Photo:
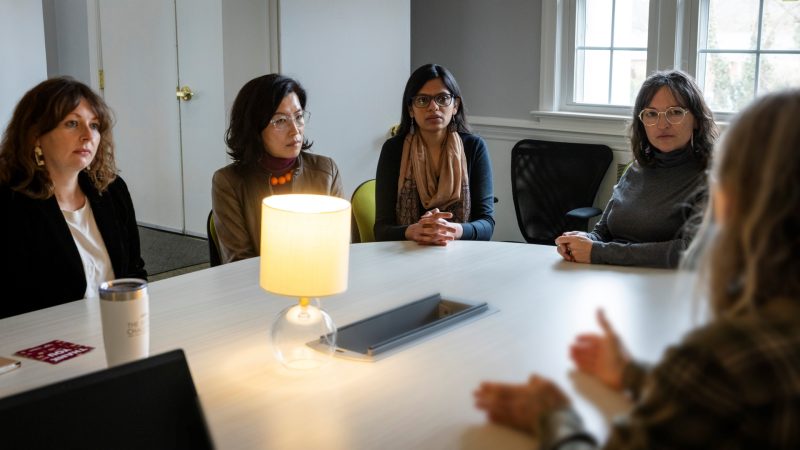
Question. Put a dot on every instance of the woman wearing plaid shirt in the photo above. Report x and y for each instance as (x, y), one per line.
(734, 383)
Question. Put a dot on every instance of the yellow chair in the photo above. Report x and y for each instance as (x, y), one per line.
(363, 206)
(213, 242)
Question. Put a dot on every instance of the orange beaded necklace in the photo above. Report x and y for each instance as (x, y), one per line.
(283, 179)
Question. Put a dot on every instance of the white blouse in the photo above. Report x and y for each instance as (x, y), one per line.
(96, 263)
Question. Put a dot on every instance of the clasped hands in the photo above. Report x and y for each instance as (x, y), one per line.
(575, 246)
(523, 406)
(434, 229)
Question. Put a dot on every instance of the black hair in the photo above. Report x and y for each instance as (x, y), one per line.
(415, 82)
(251, 112)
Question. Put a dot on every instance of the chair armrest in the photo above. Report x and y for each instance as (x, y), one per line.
(584, 213)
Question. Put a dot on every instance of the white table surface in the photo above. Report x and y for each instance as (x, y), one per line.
(418, 397)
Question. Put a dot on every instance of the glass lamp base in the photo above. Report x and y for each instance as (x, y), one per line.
(295, 327)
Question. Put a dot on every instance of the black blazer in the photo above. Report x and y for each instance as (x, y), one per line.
(40, 265)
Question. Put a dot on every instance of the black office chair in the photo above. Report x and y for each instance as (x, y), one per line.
(554, 185)
(213, 241)
(150, 403)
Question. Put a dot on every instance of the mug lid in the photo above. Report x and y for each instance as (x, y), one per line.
(123, 289)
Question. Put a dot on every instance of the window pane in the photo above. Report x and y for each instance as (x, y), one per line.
(732, 24)
(728, 80)
(781, 25)
(627, 76)
(777, 72)
(630, 23)
(598, 23)
(591, 82)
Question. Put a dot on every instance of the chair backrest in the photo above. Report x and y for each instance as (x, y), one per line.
(213, 242)
(149, 403)
(549, 179)
(363, 207)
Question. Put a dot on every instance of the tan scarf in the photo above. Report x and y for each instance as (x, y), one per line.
(447, 190)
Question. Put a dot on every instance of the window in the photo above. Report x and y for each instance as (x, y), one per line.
(602, 50)
(610, 51)
(746, 48)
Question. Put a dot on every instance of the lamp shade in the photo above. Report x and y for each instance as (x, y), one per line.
(305, 245)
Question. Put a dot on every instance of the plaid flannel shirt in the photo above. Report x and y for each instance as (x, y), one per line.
(734, 384)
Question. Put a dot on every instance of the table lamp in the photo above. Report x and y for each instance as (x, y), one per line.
(305, 251)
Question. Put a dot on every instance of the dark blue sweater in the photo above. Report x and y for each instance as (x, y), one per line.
(479, 170)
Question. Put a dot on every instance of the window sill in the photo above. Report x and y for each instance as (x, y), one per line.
(577, 123)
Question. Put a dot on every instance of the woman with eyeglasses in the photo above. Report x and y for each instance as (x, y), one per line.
(734, 382)
(434, 178)
(270, 156)
(672, 133)
(68, 220)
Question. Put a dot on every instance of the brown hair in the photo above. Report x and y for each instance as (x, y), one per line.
(753, 259)
(39, 111)
(685, 90)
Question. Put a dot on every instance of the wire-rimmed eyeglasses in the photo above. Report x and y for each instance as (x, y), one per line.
(673, 115)
(281, 121)
(422, 101)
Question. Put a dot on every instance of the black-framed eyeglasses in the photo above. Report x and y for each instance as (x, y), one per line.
(422, 101)
(281, 121)
(673, 115)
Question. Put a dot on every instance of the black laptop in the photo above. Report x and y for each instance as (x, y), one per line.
(147, 404)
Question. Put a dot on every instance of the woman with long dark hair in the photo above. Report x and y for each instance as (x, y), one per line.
(266, 140)
(434, 178)
(672, 133)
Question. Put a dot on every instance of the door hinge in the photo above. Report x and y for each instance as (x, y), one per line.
(101, 78)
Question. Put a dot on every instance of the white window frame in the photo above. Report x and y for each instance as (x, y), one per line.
(671, 44)
(699, 69)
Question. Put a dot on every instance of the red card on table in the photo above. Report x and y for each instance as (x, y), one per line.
(54, 352)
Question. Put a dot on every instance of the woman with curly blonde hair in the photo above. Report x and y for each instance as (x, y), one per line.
(69, 220)
(734, 382)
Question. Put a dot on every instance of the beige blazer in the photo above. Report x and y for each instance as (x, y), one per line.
(237, 191)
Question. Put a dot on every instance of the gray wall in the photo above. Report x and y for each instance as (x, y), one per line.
(492, 48)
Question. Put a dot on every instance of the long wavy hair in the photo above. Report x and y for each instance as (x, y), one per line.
(40, 111)
(253, 108)
(752, 259)
(685, 91)
(415, 82)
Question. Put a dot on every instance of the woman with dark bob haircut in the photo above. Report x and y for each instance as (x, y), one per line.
(270, 156)
(434, 178)
(732, 383)
(672, 133)
(69, 220)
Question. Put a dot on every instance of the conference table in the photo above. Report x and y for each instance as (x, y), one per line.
(419, 396)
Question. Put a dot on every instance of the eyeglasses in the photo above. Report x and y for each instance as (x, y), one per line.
(674, 115)
(422, 101)
(281, 121)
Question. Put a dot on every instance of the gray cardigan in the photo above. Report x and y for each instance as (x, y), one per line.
(644, 220)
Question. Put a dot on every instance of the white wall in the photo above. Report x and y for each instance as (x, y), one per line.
(245, 55)
(22, 52)
(67, 39)
(353, 59)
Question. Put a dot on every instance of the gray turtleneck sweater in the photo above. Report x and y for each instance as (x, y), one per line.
(643, 222)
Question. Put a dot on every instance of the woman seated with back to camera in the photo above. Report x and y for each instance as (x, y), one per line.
(270, 156)
(734, 382)
(434, 178)
(672, 134)
(68, 220)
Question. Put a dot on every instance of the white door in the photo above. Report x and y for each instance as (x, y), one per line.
(200, 66)
(139, 60)
(167, 149)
